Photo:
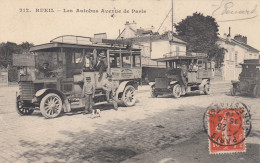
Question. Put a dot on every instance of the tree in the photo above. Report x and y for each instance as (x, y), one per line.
(25, 46)
(6, 51)
(9, 48)
(201, 34)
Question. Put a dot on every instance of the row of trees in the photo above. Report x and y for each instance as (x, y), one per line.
(6, 51)
(201, 34)
(9, 48)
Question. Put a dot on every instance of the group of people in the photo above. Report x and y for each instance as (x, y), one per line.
(89, 94)
(192, 67)
(98, 62)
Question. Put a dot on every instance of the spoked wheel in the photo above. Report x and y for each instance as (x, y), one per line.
(176, 91)
(129, 96)
(51, 105)
(21, 109)
(256, 91)
(152, 92)
(206, 89)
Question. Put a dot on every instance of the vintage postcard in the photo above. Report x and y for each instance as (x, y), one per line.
(129, 81)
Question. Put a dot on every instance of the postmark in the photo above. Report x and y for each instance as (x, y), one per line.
(227, 125)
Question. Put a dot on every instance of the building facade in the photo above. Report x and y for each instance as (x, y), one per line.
(237, 51)
(153, 45)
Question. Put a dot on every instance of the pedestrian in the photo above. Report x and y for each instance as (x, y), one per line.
(89, 94)
(110, 89)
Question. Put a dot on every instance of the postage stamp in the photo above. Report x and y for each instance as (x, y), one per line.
(227, 125)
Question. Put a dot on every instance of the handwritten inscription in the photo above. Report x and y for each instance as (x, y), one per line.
(230, 10)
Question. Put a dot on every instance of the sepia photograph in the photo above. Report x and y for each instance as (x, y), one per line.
(151, 81)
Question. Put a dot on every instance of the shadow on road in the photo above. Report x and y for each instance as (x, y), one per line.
(118, 140)
(177, 132)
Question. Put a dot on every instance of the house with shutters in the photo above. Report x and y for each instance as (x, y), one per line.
(153, 45)
(237, 51)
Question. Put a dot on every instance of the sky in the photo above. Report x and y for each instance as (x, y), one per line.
(17, 25)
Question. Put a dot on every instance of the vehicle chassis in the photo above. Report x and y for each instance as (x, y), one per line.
(249, 79)
(176, 83)
(63, 92)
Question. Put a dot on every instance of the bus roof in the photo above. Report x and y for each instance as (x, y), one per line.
(251, 62)
(172, 58)
(71, 41)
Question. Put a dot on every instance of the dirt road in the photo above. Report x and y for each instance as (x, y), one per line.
(155, 129)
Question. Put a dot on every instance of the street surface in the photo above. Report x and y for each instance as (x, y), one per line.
(160, 129)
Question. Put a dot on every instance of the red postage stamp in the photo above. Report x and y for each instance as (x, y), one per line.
(227, 126)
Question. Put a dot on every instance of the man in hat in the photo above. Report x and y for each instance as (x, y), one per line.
(89, 94)
(45, 70)
(101, 64)
(110, 89)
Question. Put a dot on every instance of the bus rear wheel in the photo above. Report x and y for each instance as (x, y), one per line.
(152, 92)
(206, 89)
(129, 96)
(176, 90)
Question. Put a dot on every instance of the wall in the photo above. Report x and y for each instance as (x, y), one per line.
(231, 66)
(3, 77)
(147, 55)
(182, 49)
(164, 48)
(160, 48)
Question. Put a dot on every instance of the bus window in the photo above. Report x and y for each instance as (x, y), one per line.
(77, 58)
(209, 65)
(200, 64)
(114, 61)
(136, 61)
(126, 61)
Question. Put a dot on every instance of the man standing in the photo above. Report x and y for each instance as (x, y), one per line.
(89, 94)
(110, 89)
(101, 64)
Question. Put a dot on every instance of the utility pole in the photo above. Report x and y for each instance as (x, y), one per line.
(172, 16)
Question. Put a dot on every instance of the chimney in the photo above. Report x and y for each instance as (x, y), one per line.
(152, 28)
(229, 32)
(241, 38)
(127, 25)
(244, 39)
(133, 25)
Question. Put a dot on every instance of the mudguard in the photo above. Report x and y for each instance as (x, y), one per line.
(173, 82)
(122, 86)
(204, 81)
(40, 92)
(66, 105)
(234, 81)
(152, 84)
